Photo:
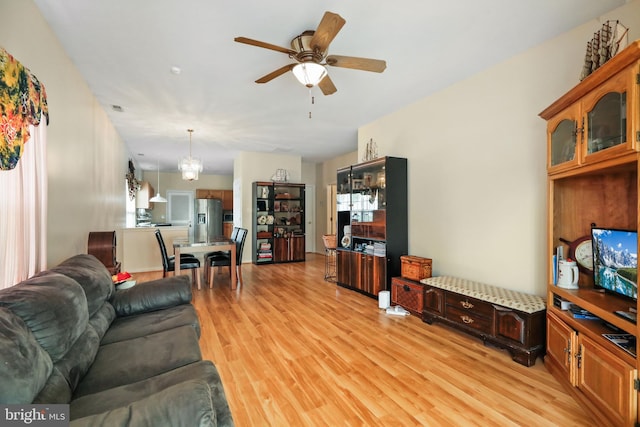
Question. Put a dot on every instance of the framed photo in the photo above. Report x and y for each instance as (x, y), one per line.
(276, 206)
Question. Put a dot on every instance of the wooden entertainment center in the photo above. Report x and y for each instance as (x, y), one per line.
(593, 139)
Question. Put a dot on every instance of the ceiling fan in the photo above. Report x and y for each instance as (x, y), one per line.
(309, 49)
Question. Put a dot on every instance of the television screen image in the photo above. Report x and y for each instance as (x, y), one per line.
(615, 261)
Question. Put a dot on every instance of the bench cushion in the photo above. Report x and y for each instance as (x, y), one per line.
(526, 303)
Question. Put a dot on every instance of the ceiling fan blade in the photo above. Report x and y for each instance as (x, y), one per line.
(272, 75)
(326, 86)
(327, 30)
(365, 64)
(258, 43)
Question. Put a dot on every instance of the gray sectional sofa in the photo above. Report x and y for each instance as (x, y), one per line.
(118, 358)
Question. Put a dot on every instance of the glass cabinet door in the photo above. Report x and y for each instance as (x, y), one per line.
(343, 207)
(607, 132)
(563, 142)
(564, 133)
(607, 122)
(288, 212)
(343, 190)
(368, 191)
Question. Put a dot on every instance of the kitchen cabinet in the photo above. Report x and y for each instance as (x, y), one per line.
(372, 216)
(279, 226)
(227, 200)
(594, 181)
(227, 229)
(145, 193)
(225, 195)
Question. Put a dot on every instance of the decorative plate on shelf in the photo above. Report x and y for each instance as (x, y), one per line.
(270, 219)
(262, 220)
(346, 241)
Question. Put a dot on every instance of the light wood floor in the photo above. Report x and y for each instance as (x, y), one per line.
(295, 350)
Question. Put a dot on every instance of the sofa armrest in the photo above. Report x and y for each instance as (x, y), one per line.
(151, 296)
(185, 404)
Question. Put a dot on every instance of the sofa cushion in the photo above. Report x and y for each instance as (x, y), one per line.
(137, 359)
(152, 296)
(53, 307)
(92, 275)
(117, 397)
(56, 390)
(25, 365)
(102, 319)
(187, 404)
(128, 327)
(75, 364)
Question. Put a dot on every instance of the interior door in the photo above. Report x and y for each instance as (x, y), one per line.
(310, 218)
(331, 208)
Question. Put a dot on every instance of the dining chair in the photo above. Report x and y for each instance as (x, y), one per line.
(224, 260)
(234, 233)
(187, 261)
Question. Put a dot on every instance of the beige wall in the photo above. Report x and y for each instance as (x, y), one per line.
(476, 158)
(86, 158)
(326, 175)
(247, 168)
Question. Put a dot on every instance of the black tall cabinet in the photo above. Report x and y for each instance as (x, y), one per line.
(372, 218)
(279, 225)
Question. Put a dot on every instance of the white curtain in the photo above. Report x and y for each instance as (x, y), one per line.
(23, 212)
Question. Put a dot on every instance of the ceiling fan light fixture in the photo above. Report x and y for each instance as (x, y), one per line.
(309, 73)
(189, 166)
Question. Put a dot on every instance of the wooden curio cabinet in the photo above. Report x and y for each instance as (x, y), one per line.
(278, 212)
(596, 127)
(371, 200)
(593, 135)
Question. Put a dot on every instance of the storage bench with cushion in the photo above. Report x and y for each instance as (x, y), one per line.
(505, 318)
(128, 357)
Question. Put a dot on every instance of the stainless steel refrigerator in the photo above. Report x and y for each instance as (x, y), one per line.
(208, 219)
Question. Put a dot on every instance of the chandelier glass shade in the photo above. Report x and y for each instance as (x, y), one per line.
(158, 198)
(309, 73)
(189, 166)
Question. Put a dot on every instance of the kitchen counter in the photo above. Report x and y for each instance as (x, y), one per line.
(161, 228)
(140, 251)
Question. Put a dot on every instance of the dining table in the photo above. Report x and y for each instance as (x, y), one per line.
(216, 243)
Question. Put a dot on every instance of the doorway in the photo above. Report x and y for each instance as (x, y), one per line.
(331, 209)
(310, 218)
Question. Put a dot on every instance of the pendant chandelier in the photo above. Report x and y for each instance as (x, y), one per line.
(189, 166)
(158, 198)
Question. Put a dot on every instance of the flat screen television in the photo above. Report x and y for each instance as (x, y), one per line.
(615, 261)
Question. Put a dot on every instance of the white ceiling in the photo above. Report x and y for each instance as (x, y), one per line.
(125, 50)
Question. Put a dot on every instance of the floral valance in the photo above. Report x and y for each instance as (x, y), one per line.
(23, 102)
